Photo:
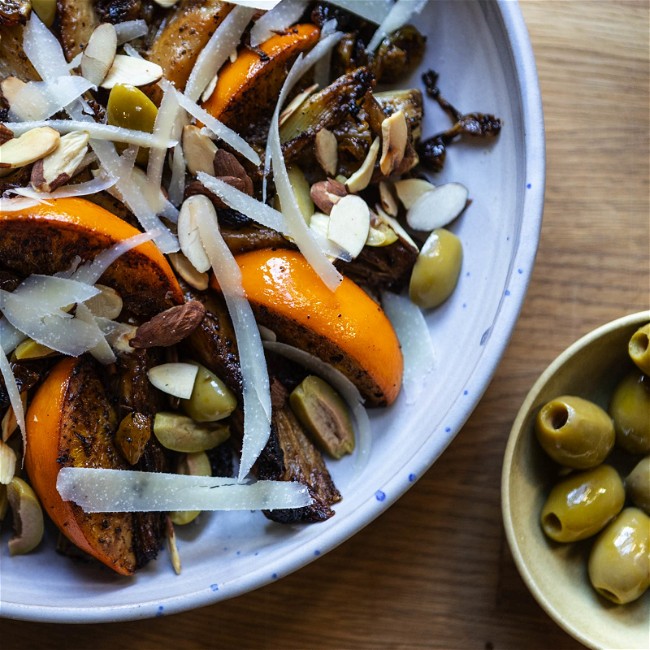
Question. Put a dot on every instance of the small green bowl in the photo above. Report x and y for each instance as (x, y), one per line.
(556, 574)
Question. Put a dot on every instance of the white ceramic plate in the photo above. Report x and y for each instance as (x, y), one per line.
(482, 52)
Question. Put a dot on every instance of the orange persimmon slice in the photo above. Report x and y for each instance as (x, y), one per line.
(346, 328)
(70, 422)
(50, 237)
(249, 86)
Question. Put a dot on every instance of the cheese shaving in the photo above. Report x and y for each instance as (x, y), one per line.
(220, 130)
(13, 392)
(278, 19)
(96, 131)
(298, 229)
(414, 337)
(38, 100)
(130, 30)
(247, 205)
(397, 17)
(115, 490)
(225, 39)
(255, 379)
(374, 11)
(87, 188)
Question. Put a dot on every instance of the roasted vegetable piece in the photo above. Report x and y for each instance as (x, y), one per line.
(398, 55)
(247, 89)
(324, 109)
(49, 237)
(13, 60)
(26, 378)
(183, 36)
(14, 12)
(77, 21)
(346, 329)
(70, 422)
(290, 456)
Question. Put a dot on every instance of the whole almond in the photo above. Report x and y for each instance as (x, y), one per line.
(58, 167)
(170, 326)
(226, 165)
(326, 194)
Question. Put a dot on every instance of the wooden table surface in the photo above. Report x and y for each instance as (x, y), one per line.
(435, 570)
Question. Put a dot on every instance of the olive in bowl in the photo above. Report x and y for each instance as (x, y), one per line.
(556, 572)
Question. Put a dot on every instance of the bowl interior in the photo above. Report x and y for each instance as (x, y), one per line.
(482, 53)
(556, 573)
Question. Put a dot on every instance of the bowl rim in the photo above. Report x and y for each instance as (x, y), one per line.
(516, 432)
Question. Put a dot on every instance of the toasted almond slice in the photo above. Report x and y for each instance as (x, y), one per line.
(188, 232)
(410, 190)
(361, 178)
(394, 137)
(7, 463)
(106, 304)
(435, 209)
(29, 147)
(175, 379)
(97, 59)
(186, 270)
(133, 71)
(5, 133)
(349, 224)
(387, 199)
(59, 167)
(327, 151)
(209, 89)
(199, 150)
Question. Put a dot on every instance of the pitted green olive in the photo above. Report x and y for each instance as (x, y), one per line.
(180, 433)
(630, 408)
(130, 108)
(211, 399)
(639, 348)
(619, 564)
(637, 485)
(27, 515)
(436, 270)
(582, 504)
(197, 464)
(575, 432)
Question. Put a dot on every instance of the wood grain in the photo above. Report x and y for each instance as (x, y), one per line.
(435, 570)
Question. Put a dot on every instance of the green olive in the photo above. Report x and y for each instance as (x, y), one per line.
(211, 399)
(180, 433)
(130, 108)
(582, 504)
(630, 408)
(619, 563)
(575, 432)
(436, 270)
(637, 485)
(639, 348)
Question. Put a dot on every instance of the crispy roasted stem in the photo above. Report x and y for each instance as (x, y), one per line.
(291, 456)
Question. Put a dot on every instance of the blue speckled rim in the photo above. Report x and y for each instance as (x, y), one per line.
(390, 490)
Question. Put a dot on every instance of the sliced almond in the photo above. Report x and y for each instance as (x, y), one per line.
(327, 151)
(175, 379)
(410, 190)
(166, 3)
(326, 194)
(361, 178)
(170, 326)
(133, 71)
(60, 166)
(30, 349)
(349, 224)
(29, 147)
(11, 87)
(435, 209)
(186, 270)
(387, 199)
(394, 137)
(209, 89)
(99, 55)
(188, 230)
(106, 304)
(380, 233)
(7, 463)
(397, 227)
(199, 150)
